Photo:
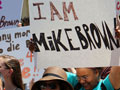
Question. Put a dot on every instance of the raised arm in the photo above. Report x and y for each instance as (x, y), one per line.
(114, 76)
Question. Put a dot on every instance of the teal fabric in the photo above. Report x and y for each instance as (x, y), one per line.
(72, 79)
(107, 83)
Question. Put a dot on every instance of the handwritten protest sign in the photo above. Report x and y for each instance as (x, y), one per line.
(74, 33)
(117, 2)
(14, 42)
(10, 13)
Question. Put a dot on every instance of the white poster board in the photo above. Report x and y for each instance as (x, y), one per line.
(10, 13)
(14, 42)
(117, 2)
(74, 33)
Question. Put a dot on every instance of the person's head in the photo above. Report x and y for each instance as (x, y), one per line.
(10, 69)
(88, 77)
(54, 78)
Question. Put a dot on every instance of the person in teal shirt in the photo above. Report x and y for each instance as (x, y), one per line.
(89, 79)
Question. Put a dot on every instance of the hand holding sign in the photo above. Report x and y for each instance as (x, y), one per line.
(117, 30)
(31, 45)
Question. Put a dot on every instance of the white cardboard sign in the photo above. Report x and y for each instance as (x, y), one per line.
(14, 42)
(74, 33)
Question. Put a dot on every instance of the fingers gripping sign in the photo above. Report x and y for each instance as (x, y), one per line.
(117, 30)
(31, 45)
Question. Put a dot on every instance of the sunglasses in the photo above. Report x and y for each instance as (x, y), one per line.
(7, 66)
(48, 85)
(85, 77)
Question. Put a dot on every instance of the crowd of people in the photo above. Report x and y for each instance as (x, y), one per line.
(57, 78)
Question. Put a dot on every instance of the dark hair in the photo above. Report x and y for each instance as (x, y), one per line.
(99, 69)
(63, 86)
(65, 69)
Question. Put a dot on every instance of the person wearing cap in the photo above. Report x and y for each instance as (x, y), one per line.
(54, 78)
